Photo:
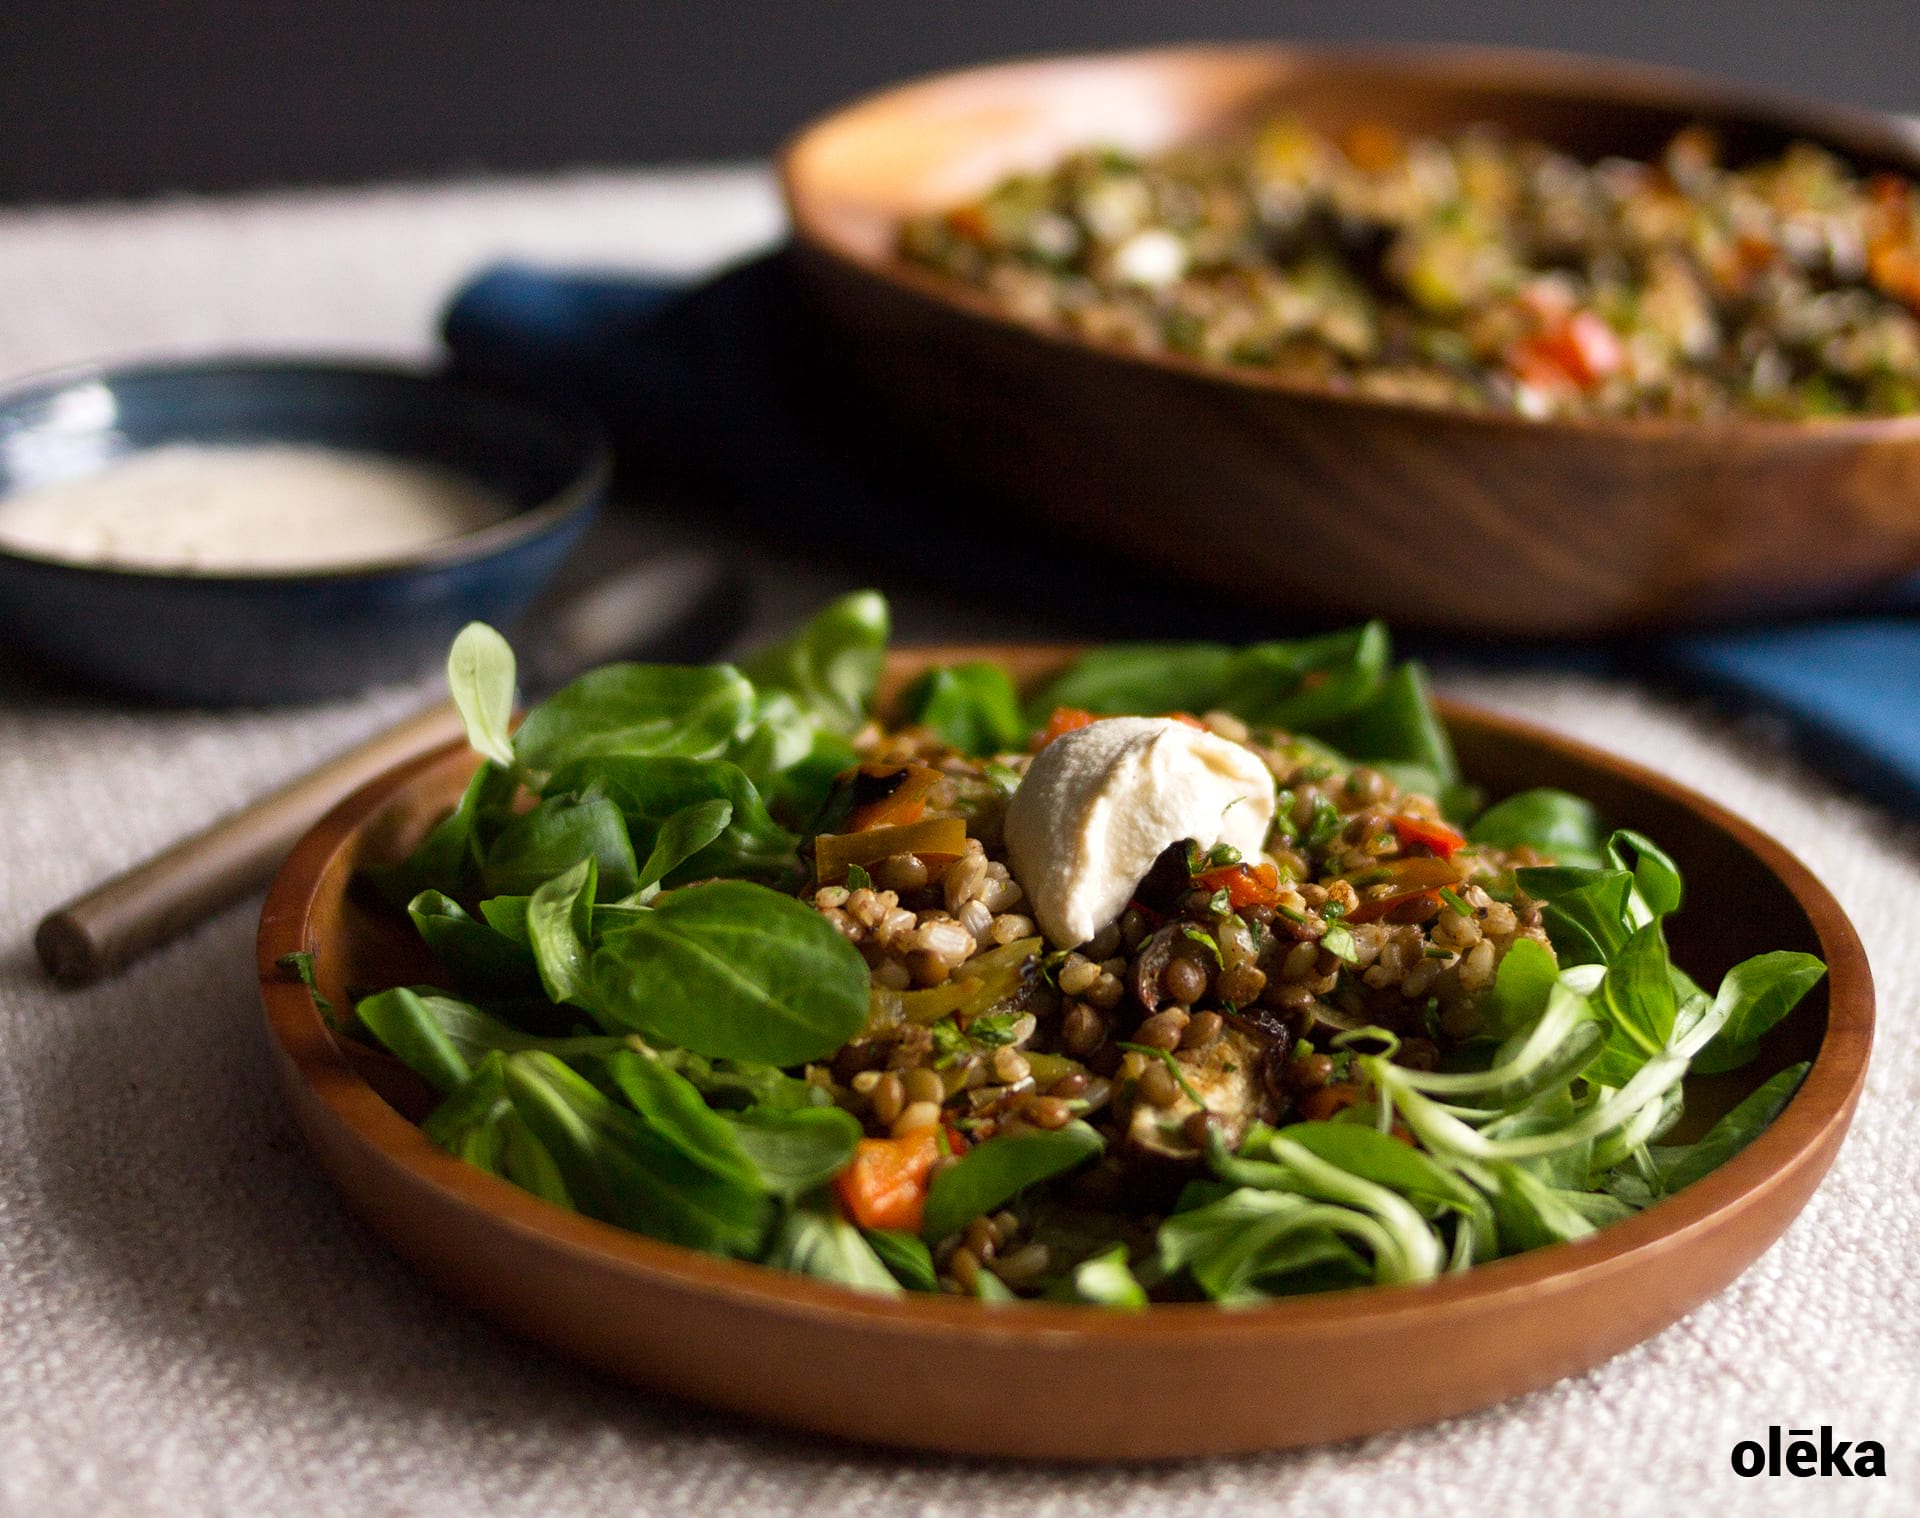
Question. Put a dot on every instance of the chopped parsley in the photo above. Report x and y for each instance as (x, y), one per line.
(992, 1030)
(1004, 777)
(1283, 828)
(1165, 1056)
(858, 879)
(949, 1042)
(1323, 824)
(1205, 939)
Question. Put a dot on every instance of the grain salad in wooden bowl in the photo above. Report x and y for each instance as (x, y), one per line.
(1511, 343)
(1041, 994)
(1472, 268)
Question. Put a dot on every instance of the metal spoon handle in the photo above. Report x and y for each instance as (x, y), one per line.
(153, 903)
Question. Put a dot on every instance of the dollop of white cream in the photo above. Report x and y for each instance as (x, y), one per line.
(262, 509)
(1100, 804)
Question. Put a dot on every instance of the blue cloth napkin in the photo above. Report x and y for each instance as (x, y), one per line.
(719, 384)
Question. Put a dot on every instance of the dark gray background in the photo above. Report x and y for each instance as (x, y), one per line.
(103, 99)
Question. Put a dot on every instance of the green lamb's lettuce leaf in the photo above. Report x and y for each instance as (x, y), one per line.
(1397, 726)
(1521, 987)
(801, 789)
(617, 1169)
(1107, 1280)
(1626, 1143)
(483, 961)
(530, 1165)
(1587, 912)
(1536, 1058)
(1656, 878)
(907, 1256)
(651, 791)
(972, 707)
(1529, 1213)
(299, 966)
(1403, 1245)
(507, 915)
(1565, 827)
(1682, 1165)
(1756, 994)
(991, 1174)
(1247, 1244)
(733, 970)
(1308, 685)
(731, 1084)
(409, 1031)
(1296, 686)
(1597, 1207)
(1637, 996)
(1374, 1156)
(1548, 1114)
(559, 925)
(1341, 688)
(554, 837)
(478, 1123)
(783, 1151)
(794, 1150)
(832, 664)
(472, 1033)
(673, 1111)
(450, 855)
(683, 835)
(817, 1241)
(638, 709)
(468, 1122)
(480, 677)
(1135, 678)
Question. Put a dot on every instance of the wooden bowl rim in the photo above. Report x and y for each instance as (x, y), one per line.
(1824, 1101)
(1602, 81)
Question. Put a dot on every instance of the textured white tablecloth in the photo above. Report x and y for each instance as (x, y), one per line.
(189, 1322)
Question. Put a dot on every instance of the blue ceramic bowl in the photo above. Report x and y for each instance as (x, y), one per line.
(242, 639)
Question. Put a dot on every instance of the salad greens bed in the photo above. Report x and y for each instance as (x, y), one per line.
(640, 1003)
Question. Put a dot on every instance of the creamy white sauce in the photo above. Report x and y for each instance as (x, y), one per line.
(245, 509)
(1098, 805)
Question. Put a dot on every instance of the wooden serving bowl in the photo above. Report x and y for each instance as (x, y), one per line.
(1056, 1382)
(1287, 494)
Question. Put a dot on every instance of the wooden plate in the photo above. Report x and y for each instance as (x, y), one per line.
(1063, 1382)
(1287, 494)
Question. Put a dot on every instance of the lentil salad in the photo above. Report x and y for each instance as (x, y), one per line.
(731, 962)
(1471, 269)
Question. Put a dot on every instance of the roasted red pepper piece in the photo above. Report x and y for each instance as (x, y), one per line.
(1246, 885)
(1428, 834)
(1065, 719)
